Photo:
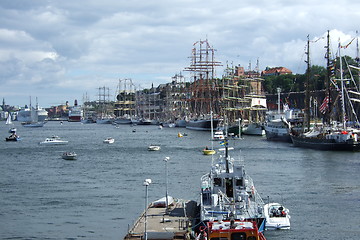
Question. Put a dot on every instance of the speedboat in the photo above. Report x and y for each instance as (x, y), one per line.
(153, 148)
(54, 140)
(277, 216)
(69, 156)
(218, 135)
(109, 140)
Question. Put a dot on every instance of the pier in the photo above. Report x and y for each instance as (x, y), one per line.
(164, 223)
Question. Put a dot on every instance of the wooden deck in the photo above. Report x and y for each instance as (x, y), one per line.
(162, 225)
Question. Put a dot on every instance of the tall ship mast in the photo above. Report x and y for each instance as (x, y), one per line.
(203, 92)
(125, 106)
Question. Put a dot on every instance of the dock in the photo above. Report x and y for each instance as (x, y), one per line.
(164, 224)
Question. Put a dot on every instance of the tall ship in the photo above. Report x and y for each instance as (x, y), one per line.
(203, 92)
(229, 201)
(125, 105)
(334, 133)
(75, 113)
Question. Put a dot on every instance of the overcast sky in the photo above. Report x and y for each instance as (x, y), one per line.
(59, 50)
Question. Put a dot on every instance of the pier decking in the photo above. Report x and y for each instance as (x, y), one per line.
(161, 225)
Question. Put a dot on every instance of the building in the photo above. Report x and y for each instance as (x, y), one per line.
(276, 71)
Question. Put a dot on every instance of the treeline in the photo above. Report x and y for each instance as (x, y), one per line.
(296, 82)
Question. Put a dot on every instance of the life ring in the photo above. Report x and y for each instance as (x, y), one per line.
(202, 228)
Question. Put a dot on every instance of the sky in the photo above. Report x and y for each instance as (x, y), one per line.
(57, 51)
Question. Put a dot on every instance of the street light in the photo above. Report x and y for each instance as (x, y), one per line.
(146, 183)
(166, 183)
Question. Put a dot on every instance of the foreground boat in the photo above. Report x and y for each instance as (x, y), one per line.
(228, 193)
(277, 216)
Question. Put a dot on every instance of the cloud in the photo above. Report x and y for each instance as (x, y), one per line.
(66, 48)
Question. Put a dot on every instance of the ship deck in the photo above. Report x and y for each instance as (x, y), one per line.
(162, 225)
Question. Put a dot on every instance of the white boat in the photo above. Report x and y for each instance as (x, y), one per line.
(218, 135)
(109, 140)
(154, 148)
(54, 140)
(253, 128)
(69, 156)
(277, 216)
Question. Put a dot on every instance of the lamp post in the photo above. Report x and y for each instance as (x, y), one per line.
(146, 183)
(166, 184)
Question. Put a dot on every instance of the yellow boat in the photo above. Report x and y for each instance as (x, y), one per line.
(208, 151)
(180, 135)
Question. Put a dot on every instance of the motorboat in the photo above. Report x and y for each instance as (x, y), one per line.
(69, 156)
(154, 148)
(54, 140)
(229, 199)
(109, 140)
(218, 135)
(277, 216)
(206, 151)
(12, 138)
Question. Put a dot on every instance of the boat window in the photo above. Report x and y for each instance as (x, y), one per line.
(218, 238)
(229, 187)
(239, 182)
(217, 182)
(238, 236)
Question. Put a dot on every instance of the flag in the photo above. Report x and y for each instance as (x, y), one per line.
(325, 105)
(224, 142)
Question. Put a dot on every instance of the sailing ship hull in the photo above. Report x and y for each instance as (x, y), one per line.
(202, 125)
(325, 144)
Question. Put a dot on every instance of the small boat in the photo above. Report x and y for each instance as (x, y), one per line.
(12, 138)
(180, 135)
(109, 140)
(54, 140)
(69, 156)
(154, 148)
(208, 151)
(218, 135)
(277, 216)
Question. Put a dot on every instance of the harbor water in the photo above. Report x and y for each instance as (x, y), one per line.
(101, 194)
